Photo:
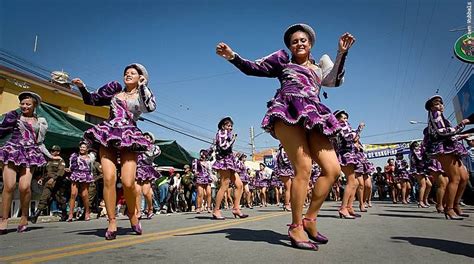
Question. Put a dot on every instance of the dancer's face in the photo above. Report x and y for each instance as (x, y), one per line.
(300, 45)
(131, 77)
(147, 137)
(437, 105)
(83, 149)
(27, 106)
(262, 167)
(228, 126)
(343, 118)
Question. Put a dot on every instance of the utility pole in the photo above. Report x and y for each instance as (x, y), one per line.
(252, 142)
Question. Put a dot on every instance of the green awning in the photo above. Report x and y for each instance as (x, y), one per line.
(172, 154)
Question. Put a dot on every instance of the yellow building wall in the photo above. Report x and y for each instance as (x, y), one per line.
(69, 102)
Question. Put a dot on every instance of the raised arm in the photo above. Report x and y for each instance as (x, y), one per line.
(333, 73)
(269, 66)
(102, 96)
(146, 99)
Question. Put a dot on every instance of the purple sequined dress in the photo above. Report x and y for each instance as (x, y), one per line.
(442, 136)
(145, 170)
(81, 168)
(315, 172)
(120, 130)
(417, 163)
(262, 179)
(225, 159)
(242, 171)
(364, 167)
(283, 166)
(346, 151)
(297, 100)
(432, 165)
(201, 170)
(25, 147)
(401, 170)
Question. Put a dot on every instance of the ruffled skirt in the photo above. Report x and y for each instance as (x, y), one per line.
(146, 172)
(118, 136)
(20, 155)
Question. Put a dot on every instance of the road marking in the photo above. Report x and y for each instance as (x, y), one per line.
(87, 248)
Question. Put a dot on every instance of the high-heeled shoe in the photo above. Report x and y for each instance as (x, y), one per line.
(215, 217)
(364, 210)
(320, 238)
(21, 228)
(241, 215)
(451, 217)
(458, 212)
(300, 244)
(439, 210)
(420, 205)
(349, 216)
(137, 228)
(110, 235)
(351, 212)
(287, 208)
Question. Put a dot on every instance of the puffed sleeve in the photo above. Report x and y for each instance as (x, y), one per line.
(8, 123)
(73, 162)
(102, 96)
(43, 128)
(332, 73)
(195, 166)
(146, 99)
(442, 126)
(154, 151)
(269, 66)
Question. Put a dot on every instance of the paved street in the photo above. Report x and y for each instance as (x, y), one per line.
(388, 233)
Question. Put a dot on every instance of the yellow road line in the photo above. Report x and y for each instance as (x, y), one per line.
(92, 247)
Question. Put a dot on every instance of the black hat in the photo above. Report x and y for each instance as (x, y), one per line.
(298, 27)
(223, 121)
(428, 102)
(340, 112)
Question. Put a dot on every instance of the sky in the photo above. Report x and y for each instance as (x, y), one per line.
(403, 54)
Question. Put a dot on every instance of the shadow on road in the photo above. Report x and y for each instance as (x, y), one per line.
(410, 211)
(99, 232)
(241, 234)
(452, 247)
(410, 216)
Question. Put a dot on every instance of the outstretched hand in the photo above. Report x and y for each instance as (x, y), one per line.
(346, 41)
(224, 51)
(77, 82)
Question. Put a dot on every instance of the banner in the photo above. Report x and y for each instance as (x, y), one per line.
(464, 100)
(269, 161)
(387, 149)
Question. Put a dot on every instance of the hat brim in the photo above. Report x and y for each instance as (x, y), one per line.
(151, 135)
(142, 68)
(340, 112)
(298, 27)
(25, 94)
(428, 102)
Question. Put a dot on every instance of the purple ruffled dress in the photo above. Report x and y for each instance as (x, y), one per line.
(225, 159)
(283, 166)
(315, 172)
(81, 168)
(120, 130)
(145, 170)
(431, 164)
(25, 147)
(346, 151)
(441, 136)
(242, 171)
(401, 170)
(262, 179)
(364, 167)
(417, 163)
(297, 100)
(201, 170)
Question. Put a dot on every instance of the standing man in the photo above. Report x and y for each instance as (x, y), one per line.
(188, 182)
(54, 173)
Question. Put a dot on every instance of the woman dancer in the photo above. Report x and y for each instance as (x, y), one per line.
(146, 174)
(244, 177)
(444, 146)
(202, 175)
(417, 168)
(120, 136)
(21, 154)
(349, 160)
(365, 168)
(80, 167)
(226, 167)
(285, 171)
(298, 120)
(262, 181)
(402, 176)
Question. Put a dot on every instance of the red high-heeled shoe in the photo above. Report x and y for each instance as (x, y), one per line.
(300, 244)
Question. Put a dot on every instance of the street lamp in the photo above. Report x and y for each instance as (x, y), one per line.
(413, 122)
(252, 141)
